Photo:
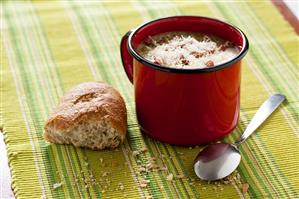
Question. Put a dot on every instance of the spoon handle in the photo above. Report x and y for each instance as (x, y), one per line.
(261, 115)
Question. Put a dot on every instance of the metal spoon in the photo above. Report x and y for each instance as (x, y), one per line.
(217, 161)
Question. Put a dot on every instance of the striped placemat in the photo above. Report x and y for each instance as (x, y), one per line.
(48, 47)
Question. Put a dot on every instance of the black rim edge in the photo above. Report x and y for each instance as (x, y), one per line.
(138, 57)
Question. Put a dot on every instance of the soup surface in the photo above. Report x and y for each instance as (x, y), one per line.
(187, 50)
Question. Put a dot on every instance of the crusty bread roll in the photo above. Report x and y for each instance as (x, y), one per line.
(91, 115)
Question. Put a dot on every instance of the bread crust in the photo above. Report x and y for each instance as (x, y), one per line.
(87, 102)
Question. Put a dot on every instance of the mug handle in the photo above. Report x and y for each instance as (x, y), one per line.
(126, 57)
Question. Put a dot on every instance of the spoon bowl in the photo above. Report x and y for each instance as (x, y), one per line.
(219, 160)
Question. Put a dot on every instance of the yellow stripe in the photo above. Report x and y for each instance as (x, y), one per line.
(71, 64)
(104, 60)
(16, 119)
(254, 94)
(277, 127)
(174, 161)
(92, 156)
(286, 36)
(39, 57)
(118, 23)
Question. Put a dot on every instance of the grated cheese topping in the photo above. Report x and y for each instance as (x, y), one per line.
(187, 50)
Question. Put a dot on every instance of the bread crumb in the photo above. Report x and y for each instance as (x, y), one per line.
(180, 176)
(121, 186)
(135, 153)
(57, 185)
(152, 166)
(183, 157)
(104, 174)
(226, 182)
(153, 158)
(245, 187)
(144, 183)
(144, 149)
(163, 169)
(141, 169)
(170, 177)
(114, 164)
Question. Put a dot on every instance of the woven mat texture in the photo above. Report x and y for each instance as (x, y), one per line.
(49, 47)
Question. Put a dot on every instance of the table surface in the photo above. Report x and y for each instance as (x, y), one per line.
(5, 180)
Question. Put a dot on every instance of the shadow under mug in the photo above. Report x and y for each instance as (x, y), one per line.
(185, 106)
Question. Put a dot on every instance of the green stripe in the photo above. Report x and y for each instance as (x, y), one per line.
(69, 153)
(260, 64)
(77, 157)
(221, 9)
(126, 144)
(149, 176)
(176, 11)
(56, 97)
(269, 75)
(288, 62)
(24, 78)
(40, 124)
(285, 58)
(44, 42)
(254, 191)
(184, 170)
(95, 51)
(270, 156)
(42, 55)
(174, 170)
(116, 35)
(150, 144)
(182, 186)
(243, 178)
(91, 43)
(41, 85)
(273, 162)
(245, 150)
(180, 183)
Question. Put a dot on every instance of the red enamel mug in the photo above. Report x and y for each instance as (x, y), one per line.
(185, 106)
